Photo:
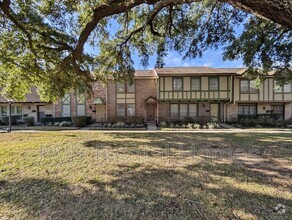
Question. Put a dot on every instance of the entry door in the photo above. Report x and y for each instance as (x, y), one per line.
(151, 112)
(215, 111)
(40, 112)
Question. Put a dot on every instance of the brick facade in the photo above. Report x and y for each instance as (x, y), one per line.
(144, 89)
(147, 85)
(111, 101)
(98, 91)
(232, 112)
(164, 111)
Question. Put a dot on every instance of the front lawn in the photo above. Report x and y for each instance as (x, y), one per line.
(95, 175)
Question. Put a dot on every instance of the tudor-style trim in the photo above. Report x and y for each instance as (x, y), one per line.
(70, 104)
(77, 103)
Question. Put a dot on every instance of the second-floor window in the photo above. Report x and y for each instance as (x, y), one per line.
(214, 83)
(196, 84)
(287, 88)
(248, 86)
(125, 88)
(177, 84)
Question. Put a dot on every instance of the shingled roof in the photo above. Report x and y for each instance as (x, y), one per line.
(145, 73)
(198, 70)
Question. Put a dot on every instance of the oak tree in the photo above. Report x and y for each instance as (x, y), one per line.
(43, 42)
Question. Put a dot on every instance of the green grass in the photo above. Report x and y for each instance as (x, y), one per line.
(95, 175)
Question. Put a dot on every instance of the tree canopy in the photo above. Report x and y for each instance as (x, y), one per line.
(42, 42)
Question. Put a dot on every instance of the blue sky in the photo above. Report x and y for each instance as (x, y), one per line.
(211, 58)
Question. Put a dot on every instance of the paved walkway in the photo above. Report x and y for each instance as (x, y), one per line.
(226, 126)
(151, 126)
(264, 131)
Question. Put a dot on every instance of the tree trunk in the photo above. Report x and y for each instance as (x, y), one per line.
(279, 11)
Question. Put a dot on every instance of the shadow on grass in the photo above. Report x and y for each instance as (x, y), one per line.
(257, 144)
(138, 193)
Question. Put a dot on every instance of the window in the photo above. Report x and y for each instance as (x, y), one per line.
(131, 110)
(277, 88)
(196, 84)
(183, 111)
(4, 110)
(80, 103)
(131, 88)
(247, 109)
(121, 110)
(193, 110)
(279, 110)
(174, 113)
(288, 88)
(66, 105)
(177, 84)
(18, 110)
(244, 86)
(122, 88)
(214, 83)
(252, 87)
(248, 86)
(124, 110)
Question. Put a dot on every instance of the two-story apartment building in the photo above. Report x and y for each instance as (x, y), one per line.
(171, 94)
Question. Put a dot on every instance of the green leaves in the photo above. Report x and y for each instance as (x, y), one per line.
(42, 42)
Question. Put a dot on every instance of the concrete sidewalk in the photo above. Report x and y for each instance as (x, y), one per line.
(264, 131)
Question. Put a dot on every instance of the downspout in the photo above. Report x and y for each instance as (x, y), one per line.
(232, 95)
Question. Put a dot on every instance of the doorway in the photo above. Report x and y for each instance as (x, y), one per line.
(40, 112)
(215, 111)
(151, 112)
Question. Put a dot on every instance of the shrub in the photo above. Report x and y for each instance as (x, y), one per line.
(47, 120)
(120, 124)
(29, 121)
(183, 126)
(5, 119)
(163, 124)
(196, 126)
(202, 120)
(210, 125)
(189, 126)
(79, 121)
